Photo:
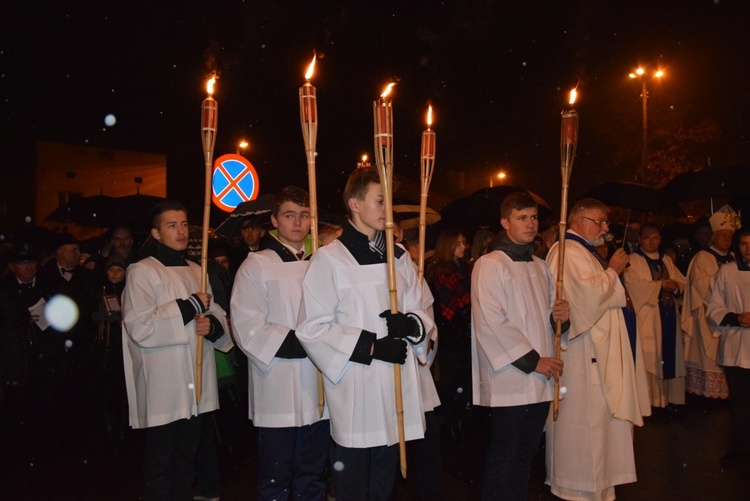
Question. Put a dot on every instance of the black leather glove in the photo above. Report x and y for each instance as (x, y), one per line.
(390, 350)
(400, 325)
(291, 347)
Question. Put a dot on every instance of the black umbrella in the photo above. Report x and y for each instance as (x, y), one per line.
(711, 182)
(258, 211)
(637, 197)
(408, 212)
(101, 211)
(96, 211)
(482, 208)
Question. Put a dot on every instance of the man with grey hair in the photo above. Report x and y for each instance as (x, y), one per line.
(590, 446)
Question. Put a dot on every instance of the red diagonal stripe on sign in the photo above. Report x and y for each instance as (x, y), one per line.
(233, 183)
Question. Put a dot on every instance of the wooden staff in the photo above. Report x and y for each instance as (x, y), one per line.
(209, 118)
(383, 116)
(308, 114)
(568, 143)
(428, 166)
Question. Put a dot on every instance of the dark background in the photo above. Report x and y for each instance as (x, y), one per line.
(497, 73)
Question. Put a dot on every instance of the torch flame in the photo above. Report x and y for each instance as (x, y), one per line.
(311, 68)
(573, 95)
(429, 116)
(210, 85)
(387, 90)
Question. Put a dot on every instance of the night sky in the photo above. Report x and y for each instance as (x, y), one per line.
(496, 72)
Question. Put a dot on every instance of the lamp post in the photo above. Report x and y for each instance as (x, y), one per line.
(241, 146)
(500, 176)
(641, 73)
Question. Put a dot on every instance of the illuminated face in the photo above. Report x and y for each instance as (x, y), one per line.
(744, 247)
(293, 223)
(115, 274)
(122, 241)
(251, 235)
(25, 271)
(649, 240)
(369, 214)
(459, 248)
(522, 225)
(173, 230)
(722, 240)
(68, 255)
(593, 225)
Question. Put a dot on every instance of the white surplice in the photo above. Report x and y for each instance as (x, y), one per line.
(511, 305)
(340, 298)
(265, 305)
(159, 350)
(729, 292)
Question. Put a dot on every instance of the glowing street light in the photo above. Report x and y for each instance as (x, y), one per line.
(641, 73)
(500, 176)
(241, 146)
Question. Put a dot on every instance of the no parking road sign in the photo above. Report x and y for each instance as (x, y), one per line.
(234, 181)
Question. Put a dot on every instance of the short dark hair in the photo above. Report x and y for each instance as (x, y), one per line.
(518, 200)
(356, 185)
(162, 207)
(742, 232)
(649, 226)
(292, 194)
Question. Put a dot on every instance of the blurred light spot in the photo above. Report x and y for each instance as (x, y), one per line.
(459, 390)
(61, 312)
(338, 466)
(191, 386)
(563, 390)
(68, 343)
(27, 219)
(110, 120)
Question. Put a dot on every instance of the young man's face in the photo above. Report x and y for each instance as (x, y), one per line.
(522, 225)
(293, 223)
(173, 230)
(744, 247)
(369, 214)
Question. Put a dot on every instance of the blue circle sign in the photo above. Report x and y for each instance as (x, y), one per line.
(234, 181)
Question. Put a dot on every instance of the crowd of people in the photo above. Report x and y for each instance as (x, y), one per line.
(305, 346)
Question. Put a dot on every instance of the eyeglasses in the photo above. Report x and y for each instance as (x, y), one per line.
(599, 222)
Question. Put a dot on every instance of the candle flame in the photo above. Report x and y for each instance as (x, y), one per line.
(387, 90)
(311, 68)
(573, 95)
(429, 116)
(210, 85)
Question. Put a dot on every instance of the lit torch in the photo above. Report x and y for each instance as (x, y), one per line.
(383, 118)
(209, 119)
(428, 164)
(568, 143)
(308, 115)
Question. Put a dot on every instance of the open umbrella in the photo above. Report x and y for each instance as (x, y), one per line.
(101, 211)
(259, 210)
(482, 208)
(708, 183)
(637, 197)
(408, 212)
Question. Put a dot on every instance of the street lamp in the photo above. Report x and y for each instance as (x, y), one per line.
(500, 176)
(364, 162)
(641, 73)
(241, 146)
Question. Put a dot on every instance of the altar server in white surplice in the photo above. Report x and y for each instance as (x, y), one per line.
(347, 330)
(590, 446)
(728, 312)
(293, 439)
(513, 365)
(655, 285)
(160, 310)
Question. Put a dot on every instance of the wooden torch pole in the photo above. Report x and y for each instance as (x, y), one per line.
(209, 118)
(383, 116)
(568, 143)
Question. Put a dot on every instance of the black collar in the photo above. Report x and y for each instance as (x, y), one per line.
(516, 252)
(168, 256)
(358, 245)
(282, 250)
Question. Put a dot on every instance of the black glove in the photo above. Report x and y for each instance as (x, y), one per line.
(291, 347)
(390, 350)
(400, 325)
